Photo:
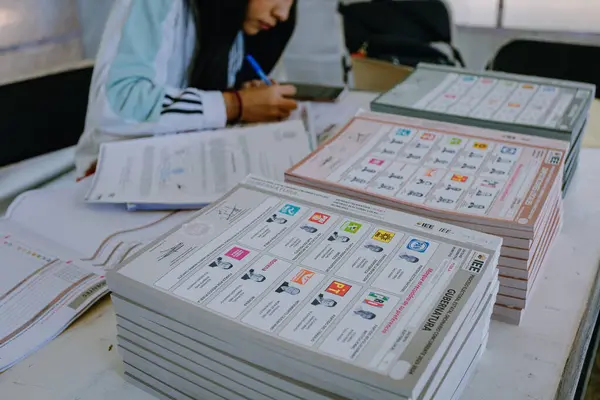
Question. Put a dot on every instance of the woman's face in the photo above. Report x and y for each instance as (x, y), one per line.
(265, 14)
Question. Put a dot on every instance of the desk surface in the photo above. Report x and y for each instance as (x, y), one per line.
(525, 362)
(22, 176)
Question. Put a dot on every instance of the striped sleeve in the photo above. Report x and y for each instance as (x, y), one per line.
(187, 101)
(134, 91)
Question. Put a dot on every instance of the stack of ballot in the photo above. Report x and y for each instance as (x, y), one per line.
(282, 292)
(505, 185)
(507, 102)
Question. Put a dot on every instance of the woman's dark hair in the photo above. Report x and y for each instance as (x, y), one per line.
(217, 24)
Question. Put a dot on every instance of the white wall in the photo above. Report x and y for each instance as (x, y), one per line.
(480, 13)
(36, 36)
(315, 52)
(553, 15)
(92, 16)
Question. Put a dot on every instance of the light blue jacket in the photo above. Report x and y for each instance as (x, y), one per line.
(139, 86)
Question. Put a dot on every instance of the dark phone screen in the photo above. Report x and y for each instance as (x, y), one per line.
(316, 92)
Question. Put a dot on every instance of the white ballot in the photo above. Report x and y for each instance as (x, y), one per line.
(193, 170)
(353, 299)
(54, 250)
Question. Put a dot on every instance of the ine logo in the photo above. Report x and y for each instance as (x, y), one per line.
(170, 251)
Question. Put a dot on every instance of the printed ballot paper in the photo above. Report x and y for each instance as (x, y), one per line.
(192, 170)
(52, 262)
(530, 105)
(497, 182)
(307, 295)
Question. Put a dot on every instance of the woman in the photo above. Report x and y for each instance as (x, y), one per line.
(170, 66)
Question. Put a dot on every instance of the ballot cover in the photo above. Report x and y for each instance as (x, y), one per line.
(525, 104)
(453, 171)
(366, 286)
(195, 168)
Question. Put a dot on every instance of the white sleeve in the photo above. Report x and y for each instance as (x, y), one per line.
(129, 94)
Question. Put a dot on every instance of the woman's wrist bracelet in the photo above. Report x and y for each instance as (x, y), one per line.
(240, 106)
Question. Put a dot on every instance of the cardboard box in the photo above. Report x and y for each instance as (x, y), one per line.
(376, 75)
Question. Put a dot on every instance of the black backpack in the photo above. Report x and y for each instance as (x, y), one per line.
(402, 32)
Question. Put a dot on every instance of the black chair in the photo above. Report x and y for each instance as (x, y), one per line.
(402, 31)
(573, 62)
(43, 114)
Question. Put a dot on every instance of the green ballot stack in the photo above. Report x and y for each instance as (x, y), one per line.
(507, 102)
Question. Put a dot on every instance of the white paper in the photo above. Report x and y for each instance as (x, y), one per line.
(42, 290)
(100, 233)
(328, 118)
(304, 113)
(54, 250)
(195, 168)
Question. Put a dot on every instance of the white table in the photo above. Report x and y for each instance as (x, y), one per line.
(521, 363)
(30, 173)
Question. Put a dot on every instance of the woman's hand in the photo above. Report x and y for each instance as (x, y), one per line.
(256, 83)
(262, 103)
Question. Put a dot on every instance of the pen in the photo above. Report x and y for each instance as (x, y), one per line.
(259, 71)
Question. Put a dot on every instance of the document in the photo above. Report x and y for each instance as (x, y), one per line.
(42, 290)
(195, 169)
(328, 118)
(54, 251)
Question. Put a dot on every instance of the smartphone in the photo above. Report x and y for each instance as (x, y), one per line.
(319, 93)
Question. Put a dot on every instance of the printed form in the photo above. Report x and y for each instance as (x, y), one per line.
(195, 168)
(45, 285)
(42, 291)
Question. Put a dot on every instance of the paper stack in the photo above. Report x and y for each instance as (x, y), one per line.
(189, 171)
(507, 102)
(506, 185)
(281, 292)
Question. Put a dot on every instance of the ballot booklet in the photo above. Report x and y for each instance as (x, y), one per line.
(194, 169)
(276, 291)
(497, 182)
(537, 106)
(54, 250)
